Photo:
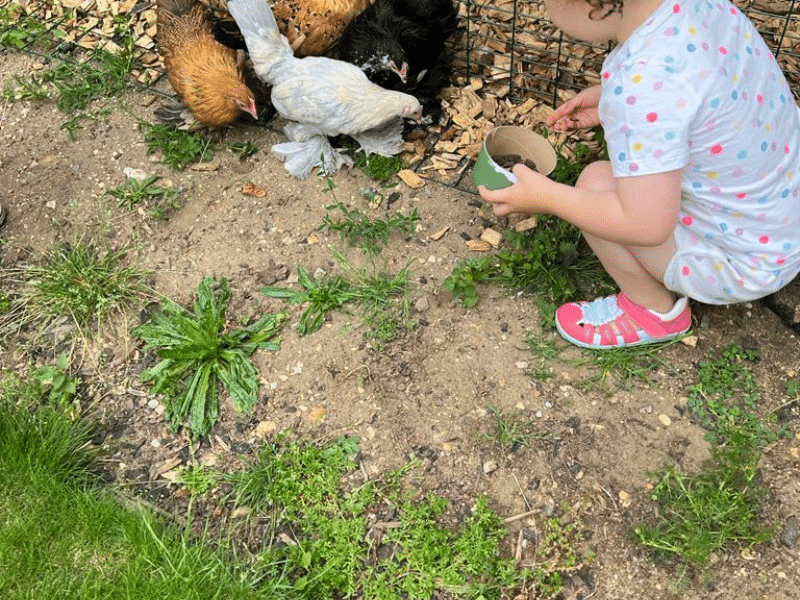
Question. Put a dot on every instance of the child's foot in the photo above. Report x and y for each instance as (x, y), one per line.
(615, 321)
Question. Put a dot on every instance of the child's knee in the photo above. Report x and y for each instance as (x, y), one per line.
(597, 177)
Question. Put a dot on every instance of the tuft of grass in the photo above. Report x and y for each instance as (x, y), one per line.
(510, 431)
(407, 552)
(544, 349)
(382, 297)
(371, 235)
(701, 513)
(179, 148)
(39, 439)
(549, 262)
(79, 282)
(197, 352)
(65, 537)
(625, 365)
(704, 512)
(133, 192)
(726, 398)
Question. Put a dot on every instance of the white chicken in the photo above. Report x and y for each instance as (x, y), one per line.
(321, 97)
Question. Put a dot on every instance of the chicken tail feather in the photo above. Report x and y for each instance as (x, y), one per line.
(176, 8)
(265, 43)
(300, 158)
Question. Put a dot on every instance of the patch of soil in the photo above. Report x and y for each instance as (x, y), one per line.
(428, 394)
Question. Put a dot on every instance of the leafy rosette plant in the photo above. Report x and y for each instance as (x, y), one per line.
(197, 354)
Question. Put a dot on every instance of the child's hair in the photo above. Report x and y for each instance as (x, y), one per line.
(602, 8)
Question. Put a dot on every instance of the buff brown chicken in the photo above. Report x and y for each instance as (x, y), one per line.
(313, 26)
(205, 74)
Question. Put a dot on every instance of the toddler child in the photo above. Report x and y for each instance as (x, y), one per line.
(700, 196)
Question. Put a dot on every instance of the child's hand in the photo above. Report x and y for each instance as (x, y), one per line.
(526, 197)
(579, 112)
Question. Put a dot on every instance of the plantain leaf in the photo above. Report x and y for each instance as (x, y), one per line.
(195, 356)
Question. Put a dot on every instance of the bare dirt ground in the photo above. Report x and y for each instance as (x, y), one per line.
(425, 395)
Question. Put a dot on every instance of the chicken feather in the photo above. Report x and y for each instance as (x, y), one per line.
(313, 26)
(204, 73)
(323, 96)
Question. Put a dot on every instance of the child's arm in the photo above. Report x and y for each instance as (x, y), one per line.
(640, 211)
(579, 112)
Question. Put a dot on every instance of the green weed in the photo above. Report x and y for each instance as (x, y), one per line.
(160, 199)
(198, 480)
(406, 553)
(703, 512)
(376, 167)
(371, 235)
(77, 281)
(179, 148)
(324, 295)
(197, 354)
(548, 261)
(726, 398)
(382, 297)
(244, 149)
(18, 30)
(61, 387)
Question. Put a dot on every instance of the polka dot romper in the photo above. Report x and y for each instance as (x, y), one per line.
(695, 88)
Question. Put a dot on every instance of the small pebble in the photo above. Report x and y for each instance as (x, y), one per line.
(791, 532)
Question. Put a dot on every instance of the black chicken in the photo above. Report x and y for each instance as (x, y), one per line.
(400, 45)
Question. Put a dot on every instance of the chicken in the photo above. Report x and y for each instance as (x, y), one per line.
(205, 74)
(321, 97)
(400, 45)
(312, 27)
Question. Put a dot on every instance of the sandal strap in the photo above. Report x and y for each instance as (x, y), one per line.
(649, 322)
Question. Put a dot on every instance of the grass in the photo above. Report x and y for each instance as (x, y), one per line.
(179, 148)
(705, 512)
(71, 85)
(159, 200)
(64, 537)
(407, 551)
(510, 432)
(197, 352)
(549, 262)
(371, 235)
(381, 296)
(625, 365)
(80, 282)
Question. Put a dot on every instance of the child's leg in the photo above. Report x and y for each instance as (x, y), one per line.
(637, 270)
(645, 311)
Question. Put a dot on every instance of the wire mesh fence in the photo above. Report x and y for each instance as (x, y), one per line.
(518, 52)
(510, 45)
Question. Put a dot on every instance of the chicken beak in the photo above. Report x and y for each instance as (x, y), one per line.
(252, 109)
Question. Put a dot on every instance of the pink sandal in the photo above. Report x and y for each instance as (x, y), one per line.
(611, 322)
